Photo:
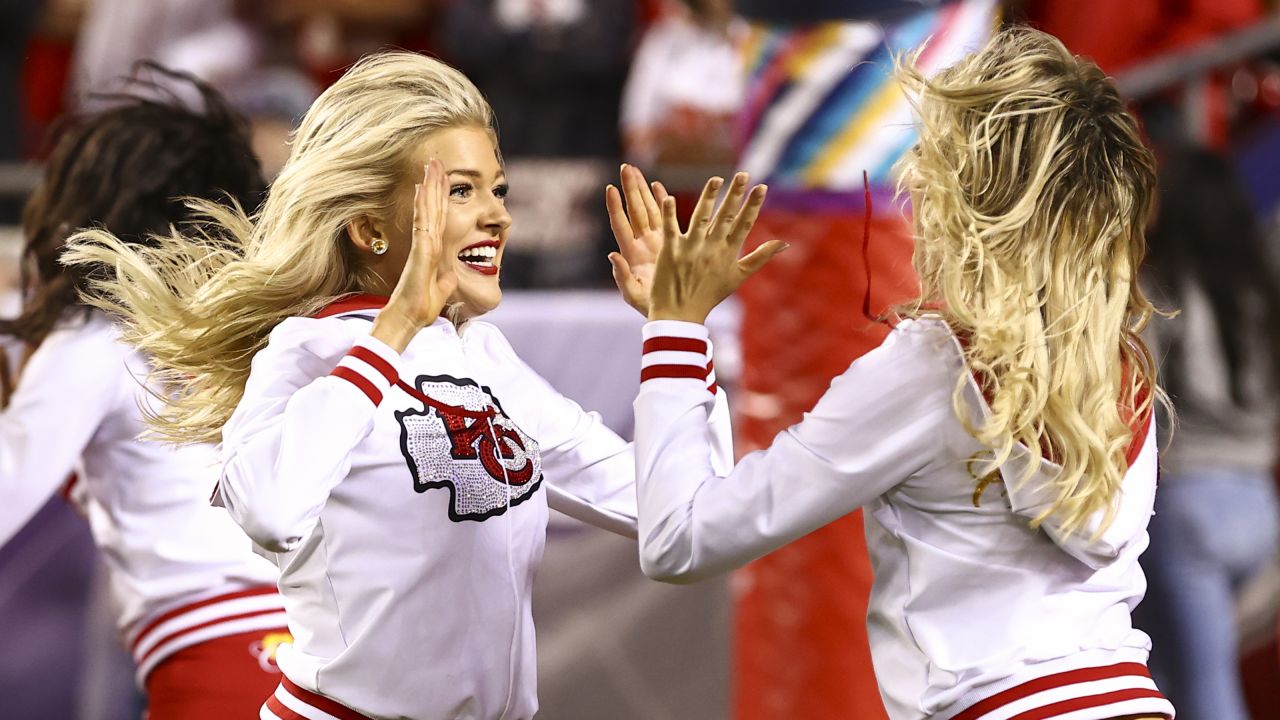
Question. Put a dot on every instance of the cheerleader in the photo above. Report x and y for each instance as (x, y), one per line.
(1000, 439)
(397, 460)
(197, 609)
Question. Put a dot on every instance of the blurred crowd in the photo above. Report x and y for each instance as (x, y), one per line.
(582, 85)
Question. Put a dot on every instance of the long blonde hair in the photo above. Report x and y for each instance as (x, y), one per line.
(1031, 188)
(202, 301)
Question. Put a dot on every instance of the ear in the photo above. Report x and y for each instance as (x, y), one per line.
(364, 229)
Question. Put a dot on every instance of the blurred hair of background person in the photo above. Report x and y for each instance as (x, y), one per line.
(820, 109)
(1217, 517)
(196, 608)
(553, 71)
(684, 91)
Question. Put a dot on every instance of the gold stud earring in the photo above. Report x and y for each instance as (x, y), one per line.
(378, 246)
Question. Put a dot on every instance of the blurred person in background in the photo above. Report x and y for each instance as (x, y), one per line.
(197, 609)
(1216, 515)
(684, 88)
(554, 71)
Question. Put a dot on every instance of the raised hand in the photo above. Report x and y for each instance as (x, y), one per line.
(428, 278)
(638, 232)
(699, 268)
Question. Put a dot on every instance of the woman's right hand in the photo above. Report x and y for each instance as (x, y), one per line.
(698, 268)
(428, 278)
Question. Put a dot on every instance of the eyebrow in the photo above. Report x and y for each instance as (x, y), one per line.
(476, 174)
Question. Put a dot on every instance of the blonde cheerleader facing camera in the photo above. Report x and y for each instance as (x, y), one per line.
(395, 459)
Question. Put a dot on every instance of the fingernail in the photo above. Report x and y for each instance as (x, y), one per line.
(785, 247)
(622, 167)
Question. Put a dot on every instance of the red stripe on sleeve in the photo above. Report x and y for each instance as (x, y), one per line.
(675, 344)
(355, 378)
(281, 710)
(321, 702)
(383, 367)
(1049, 682)
(1093, 701)
(673, 371)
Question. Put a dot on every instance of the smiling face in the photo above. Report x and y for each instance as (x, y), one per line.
(476, 223)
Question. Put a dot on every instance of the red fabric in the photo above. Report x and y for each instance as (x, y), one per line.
(227, 677)
(800, 624)
(45, 74)
(355, 378)
(1118, 34)
(351, 303)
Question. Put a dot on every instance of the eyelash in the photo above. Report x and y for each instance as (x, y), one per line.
(463, 190)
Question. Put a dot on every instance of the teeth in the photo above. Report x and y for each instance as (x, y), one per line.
(479, 255)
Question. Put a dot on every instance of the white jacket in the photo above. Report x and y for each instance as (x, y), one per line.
(180, 571)
(973, 614)
(407, 546)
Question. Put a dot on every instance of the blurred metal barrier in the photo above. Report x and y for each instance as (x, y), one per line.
(17, 180)
(1175, 68)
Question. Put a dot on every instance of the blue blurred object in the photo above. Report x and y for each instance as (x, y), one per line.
(1256, 158)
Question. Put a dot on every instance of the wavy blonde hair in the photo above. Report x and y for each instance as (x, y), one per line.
(1031, 188)
(202, 301)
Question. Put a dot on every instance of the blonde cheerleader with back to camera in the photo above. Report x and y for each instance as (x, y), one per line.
(1000, 438)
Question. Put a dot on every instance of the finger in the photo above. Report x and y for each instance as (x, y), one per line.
(670, 231)
(727, 214)
(659, 193)
(424, 208)
(751, 263)
(651, 206)
(440, 207)
(701, 217)
(420, 200)
(618, 222)
(747, 218)
(632, 189)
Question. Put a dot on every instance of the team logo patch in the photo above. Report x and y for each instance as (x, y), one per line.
(265, 650)
(485, 461)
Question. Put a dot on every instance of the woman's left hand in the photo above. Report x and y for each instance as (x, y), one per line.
(637, 228)
(697, 269)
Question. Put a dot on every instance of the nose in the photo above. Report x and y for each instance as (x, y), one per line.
(495, 217)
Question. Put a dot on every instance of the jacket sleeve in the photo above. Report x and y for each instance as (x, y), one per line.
(588, 470)
(70, 385)
(310, 399)
(875, 427)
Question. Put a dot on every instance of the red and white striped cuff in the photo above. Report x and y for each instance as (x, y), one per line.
(1111, 691)
(370, 365)
(258, 608)
(676, 349)
(290, 702)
